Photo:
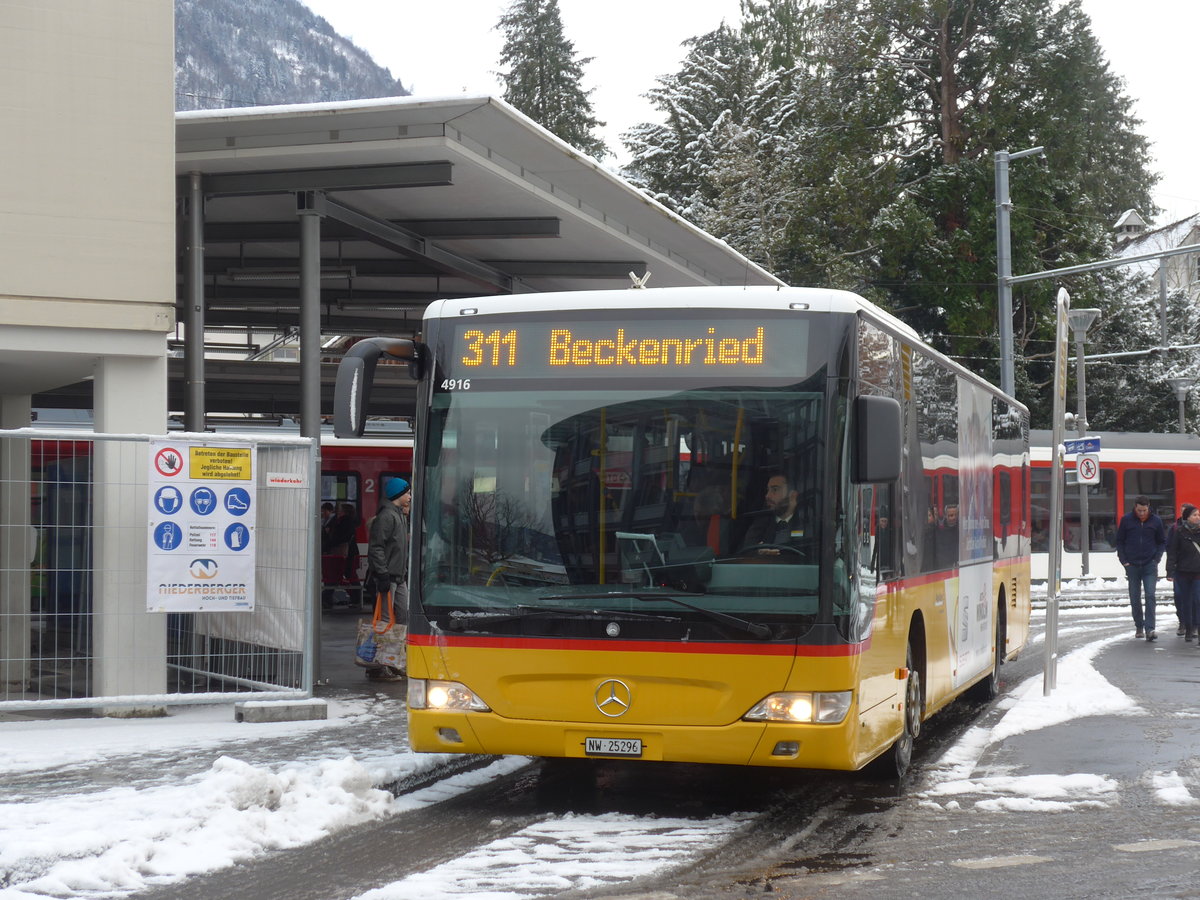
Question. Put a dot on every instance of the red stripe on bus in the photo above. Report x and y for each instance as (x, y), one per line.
(916, 581)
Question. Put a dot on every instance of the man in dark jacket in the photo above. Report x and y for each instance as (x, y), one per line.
(387, 555)
(1141, 540)
(1183, 568)
(781, 524)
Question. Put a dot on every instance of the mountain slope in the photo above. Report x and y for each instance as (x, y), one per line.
(261, 52)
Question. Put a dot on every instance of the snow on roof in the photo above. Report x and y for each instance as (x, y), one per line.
(1166, 238)
(1129, 217)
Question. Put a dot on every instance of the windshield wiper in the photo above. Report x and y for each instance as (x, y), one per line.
(525, 610)
(754, 629)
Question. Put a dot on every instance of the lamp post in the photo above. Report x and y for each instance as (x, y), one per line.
(1004, 264)
(1181, 386)
(1080, 320)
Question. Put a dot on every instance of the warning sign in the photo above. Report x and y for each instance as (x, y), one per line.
(168, 461)
(219, 463)
(201, 539)
(1088, 468)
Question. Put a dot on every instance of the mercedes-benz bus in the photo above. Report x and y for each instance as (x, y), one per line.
(754, 526)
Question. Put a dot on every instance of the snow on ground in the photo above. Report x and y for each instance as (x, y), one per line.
(105, 807)
(564, 853)
(1080, 691)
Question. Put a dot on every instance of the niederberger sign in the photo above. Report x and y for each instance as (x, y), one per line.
(200, 535)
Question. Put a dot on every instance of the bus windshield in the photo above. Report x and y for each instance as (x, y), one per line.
(671, 496)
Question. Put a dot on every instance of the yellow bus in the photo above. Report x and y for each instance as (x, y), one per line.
(758, 526)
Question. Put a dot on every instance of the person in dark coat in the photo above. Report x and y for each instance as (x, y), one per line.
(341, 538)
(781, 524)
(1141, 540)
(1183, 568)
(1175, 581)
(945, 540)
(387, 555)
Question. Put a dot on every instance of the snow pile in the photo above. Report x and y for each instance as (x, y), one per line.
(124, 839)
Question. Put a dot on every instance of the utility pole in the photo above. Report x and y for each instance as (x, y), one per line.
(1004, 265)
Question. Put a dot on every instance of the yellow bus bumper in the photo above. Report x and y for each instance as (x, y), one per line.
(740, 743)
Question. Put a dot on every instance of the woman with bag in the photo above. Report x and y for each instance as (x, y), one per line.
(387, 557)
(1183, 567)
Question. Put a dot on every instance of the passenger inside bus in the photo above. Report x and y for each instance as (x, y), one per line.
(709, 523)
(945, 541)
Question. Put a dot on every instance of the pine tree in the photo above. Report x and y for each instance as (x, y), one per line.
(872, 125)
(703, 105)
(543, 76)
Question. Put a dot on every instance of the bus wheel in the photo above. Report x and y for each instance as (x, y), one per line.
(895, 762)
(987, 690)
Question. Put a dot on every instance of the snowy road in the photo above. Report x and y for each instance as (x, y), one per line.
(199, 806)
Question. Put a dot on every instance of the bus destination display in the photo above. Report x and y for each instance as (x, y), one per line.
(529, 350)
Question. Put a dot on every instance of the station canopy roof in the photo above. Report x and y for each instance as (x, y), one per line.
(419, 199)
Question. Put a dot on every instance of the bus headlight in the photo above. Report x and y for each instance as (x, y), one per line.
(824, 707)
(424, 694)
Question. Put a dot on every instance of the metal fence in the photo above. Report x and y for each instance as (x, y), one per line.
(79, 626)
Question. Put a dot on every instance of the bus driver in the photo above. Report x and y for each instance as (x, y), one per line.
(781, 525)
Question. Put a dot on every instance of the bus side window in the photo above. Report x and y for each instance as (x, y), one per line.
(1004, 498)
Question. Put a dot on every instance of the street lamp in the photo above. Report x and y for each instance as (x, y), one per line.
(1181, 386)
(1079, 321)
(1004, 264)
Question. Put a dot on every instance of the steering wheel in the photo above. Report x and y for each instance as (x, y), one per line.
(752, 550)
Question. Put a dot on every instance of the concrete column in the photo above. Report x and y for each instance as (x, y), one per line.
(130, 644)
(17, 547)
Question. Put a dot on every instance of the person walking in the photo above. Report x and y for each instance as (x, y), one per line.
(387, 556)
(1175, 526)
(1183, 568)
(1141, 540)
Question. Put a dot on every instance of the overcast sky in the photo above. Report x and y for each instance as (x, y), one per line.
(453, 48)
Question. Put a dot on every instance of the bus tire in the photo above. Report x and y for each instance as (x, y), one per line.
(893, 765)
(989, 689)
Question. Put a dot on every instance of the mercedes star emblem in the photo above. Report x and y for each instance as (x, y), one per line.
(613, 698)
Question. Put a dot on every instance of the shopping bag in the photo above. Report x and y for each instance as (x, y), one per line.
(380, 640)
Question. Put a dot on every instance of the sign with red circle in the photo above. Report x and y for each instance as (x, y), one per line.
(1088, 468)
(168, 462)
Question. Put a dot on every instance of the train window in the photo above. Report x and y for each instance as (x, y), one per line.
(1156, 484)
(339, 487)
(1102, 513)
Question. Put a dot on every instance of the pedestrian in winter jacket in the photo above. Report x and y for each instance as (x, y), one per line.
(387, 555)
(1183, 566)
(1141, 540)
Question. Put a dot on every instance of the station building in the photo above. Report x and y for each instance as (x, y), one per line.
(212, 264)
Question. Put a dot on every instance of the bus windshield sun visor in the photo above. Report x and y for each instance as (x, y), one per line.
(356, 374)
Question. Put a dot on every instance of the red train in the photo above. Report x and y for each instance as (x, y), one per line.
(352, 476)
(1163, 467)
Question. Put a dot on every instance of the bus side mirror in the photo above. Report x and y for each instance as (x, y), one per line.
(356, 374)
(878, 441)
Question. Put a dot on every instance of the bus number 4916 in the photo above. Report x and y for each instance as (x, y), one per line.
(456, 384)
